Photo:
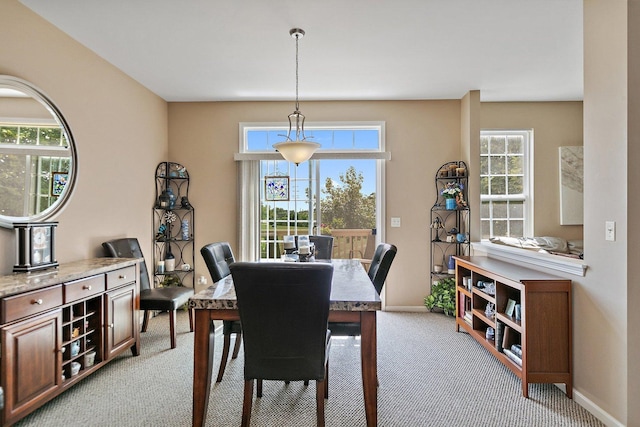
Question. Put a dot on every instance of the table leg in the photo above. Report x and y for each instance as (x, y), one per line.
(369, 366)
(203, 341)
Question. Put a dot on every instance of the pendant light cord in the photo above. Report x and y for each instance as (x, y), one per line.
(297, 103)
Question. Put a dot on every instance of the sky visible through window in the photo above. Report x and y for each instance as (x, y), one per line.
(330, 140)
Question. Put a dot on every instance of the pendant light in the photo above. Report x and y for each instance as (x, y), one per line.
(296, 148)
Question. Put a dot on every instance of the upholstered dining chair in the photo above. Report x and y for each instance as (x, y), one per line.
(218, 257)
(152, 299)
(323, 244)
(380, 266)
(284, 308)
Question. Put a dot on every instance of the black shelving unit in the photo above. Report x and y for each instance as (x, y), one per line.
(450, 227)
(171, 211)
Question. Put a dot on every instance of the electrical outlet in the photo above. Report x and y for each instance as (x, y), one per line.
(610, 231)
(395, 222)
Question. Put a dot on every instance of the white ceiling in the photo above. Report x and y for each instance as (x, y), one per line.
(225, 50)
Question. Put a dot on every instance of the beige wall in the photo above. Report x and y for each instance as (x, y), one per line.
(554, 124)
(119, 126)
(600, 299)
(123, 131)
(633, 211)
(421, 135)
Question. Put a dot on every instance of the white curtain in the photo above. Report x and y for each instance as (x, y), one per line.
(249, 209)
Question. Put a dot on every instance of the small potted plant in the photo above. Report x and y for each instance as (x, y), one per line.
(452, 193)
(443, 295)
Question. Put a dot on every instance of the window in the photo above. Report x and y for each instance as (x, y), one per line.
(32, 154)
(338, 193)
(505, 184)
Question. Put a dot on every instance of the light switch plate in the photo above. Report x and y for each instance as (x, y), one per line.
(610, 231)
(395, 222)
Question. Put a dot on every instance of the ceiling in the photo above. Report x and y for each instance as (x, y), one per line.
(225, 50)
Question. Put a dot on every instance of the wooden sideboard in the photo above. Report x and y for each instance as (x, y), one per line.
(59, 326)
(542, 333)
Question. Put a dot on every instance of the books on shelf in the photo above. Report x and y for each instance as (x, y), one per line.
(468, 317)
(511, 355)
(511, 305)
(517, 350)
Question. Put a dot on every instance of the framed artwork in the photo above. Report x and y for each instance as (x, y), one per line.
(571, 183)
(277, 188)
(58, 182)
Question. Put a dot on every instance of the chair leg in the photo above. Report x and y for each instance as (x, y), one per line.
(306, 382)
(145, 320)
(320, 391)
(236, 346)
(326, 381)
(191, 319)
(246, 403)
(172, 327)
(259, 388)
(225, 355)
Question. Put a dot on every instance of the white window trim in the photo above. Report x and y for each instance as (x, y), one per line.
(249, 220)
(528, 176)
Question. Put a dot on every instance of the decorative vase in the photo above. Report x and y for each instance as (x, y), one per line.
(450, 204)
(169, 260)
(185, 229)
(451, 268)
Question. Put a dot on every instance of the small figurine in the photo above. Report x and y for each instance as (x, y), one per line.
(160, 235)
(185, 203)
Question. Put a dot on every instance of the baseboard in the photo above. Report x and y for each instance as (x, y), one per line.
(411, 309)
(594, 409)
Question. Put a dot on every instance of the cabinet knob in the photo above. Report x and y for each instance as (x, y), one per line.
(87, 287)
(111, 325)
(122, 276)
(37, 301)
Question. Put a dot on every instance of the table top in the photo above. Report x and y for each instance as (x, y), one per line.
(351, 290)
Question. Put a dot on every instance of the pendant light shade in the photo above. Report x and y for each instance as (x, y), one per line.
(296, 148)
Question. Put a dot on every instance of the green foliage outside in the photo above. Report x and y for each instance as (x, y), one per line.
(344, 206)
(443, 295)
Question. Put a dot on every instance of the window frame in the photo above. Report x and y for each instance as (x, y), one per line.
(527, 195)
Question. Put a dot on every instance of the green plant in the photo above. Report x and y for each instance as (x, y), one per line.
(171, 280)
(443, 295)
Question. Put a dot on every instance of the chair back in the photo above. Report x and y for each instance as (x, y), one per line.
(324, 246)
(380, 264)
(284, 309)
(128, 247)
(218, 257)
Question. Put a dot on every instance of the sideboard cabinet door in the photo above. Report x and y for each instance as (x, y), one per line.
(32, 374)
(121, 319)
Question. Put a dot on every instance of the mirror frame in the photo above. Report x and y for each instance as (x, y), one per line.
(27, 88)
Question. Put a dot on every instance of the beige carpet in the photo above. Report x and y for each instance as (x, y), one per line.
(429, 376)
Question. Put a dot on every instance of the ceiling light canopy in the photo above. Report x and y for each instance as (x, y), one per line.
(296, 150)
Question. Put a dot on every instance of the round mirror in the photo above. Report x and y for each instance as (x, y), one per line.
(37, 154)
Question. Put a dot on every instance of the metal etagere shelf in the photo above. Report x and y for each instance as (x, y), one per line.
(450, 220)
(173, 222)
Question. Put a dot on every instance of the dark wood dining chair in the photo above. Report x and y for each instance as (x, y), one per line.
(167, 299)
(284, 308)
(218, 257)
(380, 266)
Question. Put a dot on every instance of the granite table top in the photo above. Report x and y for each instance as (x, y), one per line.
(351, 290)
(17, 283)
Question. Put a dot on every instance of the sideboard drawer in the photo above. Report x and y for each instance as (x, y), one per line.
(30, 303)
(120, 277)
(83, 288)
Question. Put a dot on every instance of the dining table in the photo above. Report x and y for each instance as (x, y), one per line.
(353, 299)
